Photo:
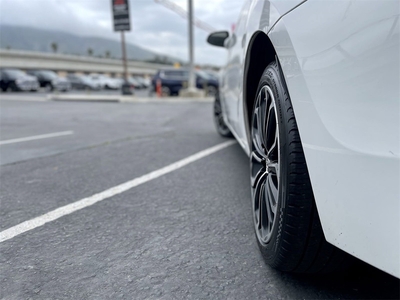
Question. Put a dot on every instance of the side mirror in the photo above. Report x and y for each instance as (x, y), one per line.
(218, 38)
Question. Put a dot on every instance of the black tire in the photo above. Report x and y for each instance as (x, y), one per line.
(48, 88)
(286, 221)
(165, 91)
(219, 122)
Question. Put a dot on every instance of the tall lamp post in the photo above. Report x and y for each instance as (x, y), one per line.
(192, 79)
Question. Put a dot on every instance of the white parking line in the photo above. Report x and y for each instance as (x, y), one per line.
(80, 204)
(36, 137)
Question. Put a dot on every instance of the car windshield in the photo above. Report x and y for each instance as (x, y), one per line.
(14, 73)
(49, 74)
(138, 79)
(133, 80)
(203, 75)
(86, 79)
(176, 74)
(212, 74)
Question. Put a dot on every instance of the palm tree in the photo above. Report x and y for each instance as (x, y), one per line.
(90, 51)
(54, 46)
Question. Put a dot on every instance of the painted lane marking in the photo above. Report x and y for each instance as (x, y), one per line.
(80, 204)
(36, 137)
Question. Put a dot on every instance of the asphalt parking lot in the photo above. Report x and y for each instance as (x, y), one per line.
(182, 232)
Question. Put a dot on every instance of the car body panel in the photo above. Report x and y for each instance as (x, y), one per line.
(176, 79)
(340, 60)
(50, 79)
(82, 82)
(17, 80)
(256, 15)
(105, 82)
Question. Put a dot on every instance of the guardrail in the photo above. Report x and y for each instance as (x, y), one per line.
(70, 63)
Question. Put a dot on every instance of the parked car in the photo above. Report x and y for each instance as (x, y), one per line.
(17, 80)
(134, 83)
(172, 81)
(311, 92)
(147, 81)
(50, 80)
(83, 82)
(142, 82)
(105, 82)
(212, 74)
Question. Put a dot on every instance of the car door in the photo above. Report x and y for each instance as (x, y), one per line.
(232, 84)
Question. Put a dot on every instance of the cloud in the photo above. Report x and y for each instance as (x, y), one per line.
(153, 26)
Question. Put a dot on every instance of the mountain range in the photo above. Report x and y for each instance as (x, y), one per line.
(34, 39)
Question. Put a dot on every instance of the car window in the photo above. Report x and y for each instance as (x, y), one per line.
(175, 74)
(12, 74)
(48, 74)
(203, 75)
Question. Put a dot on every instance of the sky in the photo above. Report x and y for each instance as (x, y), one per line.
(152, 25)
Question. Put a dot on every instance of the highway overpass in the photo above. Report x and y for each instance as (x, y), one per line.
(72, 63)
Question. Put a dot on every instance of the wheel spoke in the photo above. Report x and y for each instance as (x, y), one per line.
(272, 194)
(257, 168)
(272, 152)
(261, 119)
(257, 198)
(271, 128)
(273, 169)
(257, 140)
(258, 129)
(264, 218)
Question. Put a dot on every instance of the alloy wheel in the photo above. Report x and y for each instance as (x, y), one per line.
(265, 164)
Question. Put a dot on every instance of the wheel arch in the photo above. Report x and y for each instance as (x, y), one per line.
(260, 54)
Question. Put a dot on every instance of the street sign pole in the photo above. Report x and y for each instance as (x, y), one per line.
(122, 22)
(124, 62)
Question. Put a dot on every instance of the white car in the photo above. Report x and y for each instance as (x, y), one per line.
(311, 92)
(105, 82)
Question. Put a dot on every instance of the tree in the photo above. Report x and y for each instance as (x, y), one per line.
(108, 54)
(54, 46)
(90, 51)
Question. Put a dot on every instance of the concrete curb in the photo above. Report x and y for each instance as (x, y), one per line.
(125, 99)
(84, 98)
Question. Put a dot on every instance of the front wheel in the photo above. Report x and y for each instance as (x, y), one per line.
(286, 221)
(166, 91)
(219, 122)
(48, 88)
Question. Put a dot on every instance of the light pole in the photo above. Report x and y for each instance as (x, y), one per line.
(124, 62)
(192, 79)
